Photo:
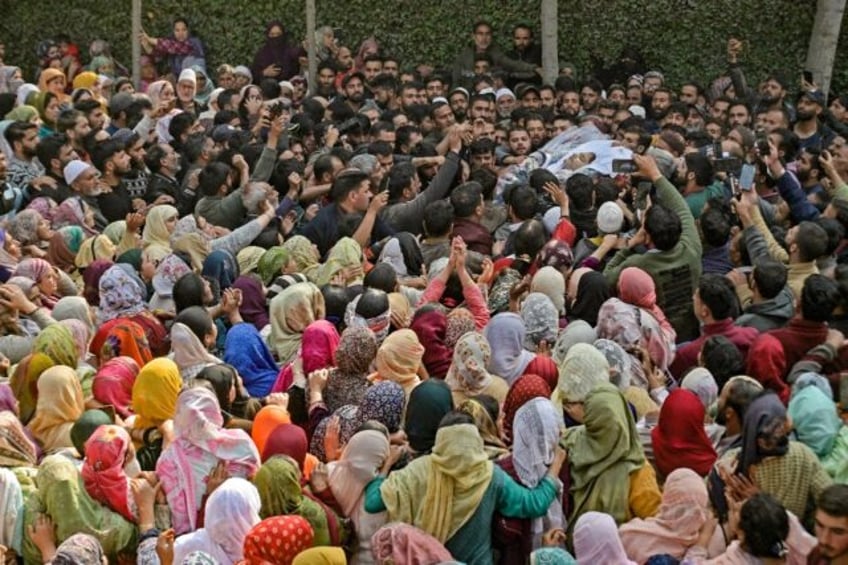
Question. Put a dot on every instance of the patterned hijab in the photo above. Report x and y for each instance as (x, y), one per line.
(468, 372)
(122, 293)
(277, 540)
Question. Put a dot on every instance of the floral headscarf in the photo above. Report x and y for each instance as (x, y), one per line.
(541, 319)
(122, 293)
(383, 402)
(468, 371)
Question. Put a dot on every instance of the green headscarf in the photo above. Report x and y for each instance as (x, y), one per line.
(57, 342)
(272, 262)
(304, 254)
(115, 231)
(86, 426)
(278, 482)
(62, 496)
(346, 253)
(602, 453)
(23, 114)
(131, 257)
(73, 236)
(815, 419)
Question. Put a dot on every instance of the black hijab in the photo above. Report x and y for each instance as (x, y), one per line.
(592, 292)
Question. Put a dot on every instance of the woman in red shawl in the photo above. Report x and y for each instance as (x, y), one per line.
(679, 440)
(430, 325)
(107, 452)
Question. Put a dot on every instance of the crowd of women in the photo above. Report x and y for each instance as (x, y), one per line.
(175, 391)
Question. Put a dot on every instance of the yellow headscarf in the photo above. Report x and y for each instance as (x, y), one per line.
(344, 254)
(291, 311)
(439, 493)
(94, 248)
(60, 404)
(321, 556)
(399, 358)
(85, 79)
(248, 258)
(155, 392)
(304, 254)
(155, 235)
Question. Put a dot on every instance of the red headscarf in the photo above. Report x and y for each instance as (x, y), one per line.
(113, 384)
(544, 367)
(320, 341)
(103, 469)
(636, 287)
(523, 390)
(431, 328)
(768, 366)
(277, 540)
(287, 439)
(679, 440)
(317, 351)
(121, 337)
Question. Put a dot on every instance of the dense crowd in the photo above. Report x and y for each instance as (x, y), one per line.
(409, 315)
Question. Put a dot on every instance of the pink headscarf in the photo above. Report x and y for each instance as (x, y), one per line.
(596, 540)
(317, 351)
(676, 526)
(113, 384)
(201, 442)
(402, 543)
(636, 287)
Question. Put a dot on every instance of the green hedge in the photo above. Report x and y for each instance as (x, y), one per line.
(684, 38)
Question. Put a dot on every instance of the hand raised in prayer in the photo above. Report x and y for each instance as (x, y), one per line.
(488, 272)
(707, 531)
(134, 221)
(42, 535)
(544, 348)
(332, 444)
(318, 380)
(216, 478)
(555, 537)
(310, 212)
(741, 487)
(318, 479)
(144, 493)
(165, 547)
(280, 399)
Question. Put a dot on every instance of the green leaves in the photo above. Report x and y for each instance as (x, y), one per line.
(683, 38)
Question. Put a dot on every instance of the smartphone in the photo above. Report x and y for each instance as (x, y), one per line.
(624, 166)
(746, 177)
(808, 77)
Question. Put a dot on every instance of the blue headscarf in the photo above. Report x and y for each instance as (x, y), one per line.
(245, 350)
(222, 267)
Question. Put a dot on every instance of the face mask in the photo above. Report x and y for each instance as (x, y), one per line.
(132, 469)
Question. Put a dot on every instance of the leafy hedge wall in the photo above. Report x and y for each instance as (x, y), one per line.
(684, 38)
